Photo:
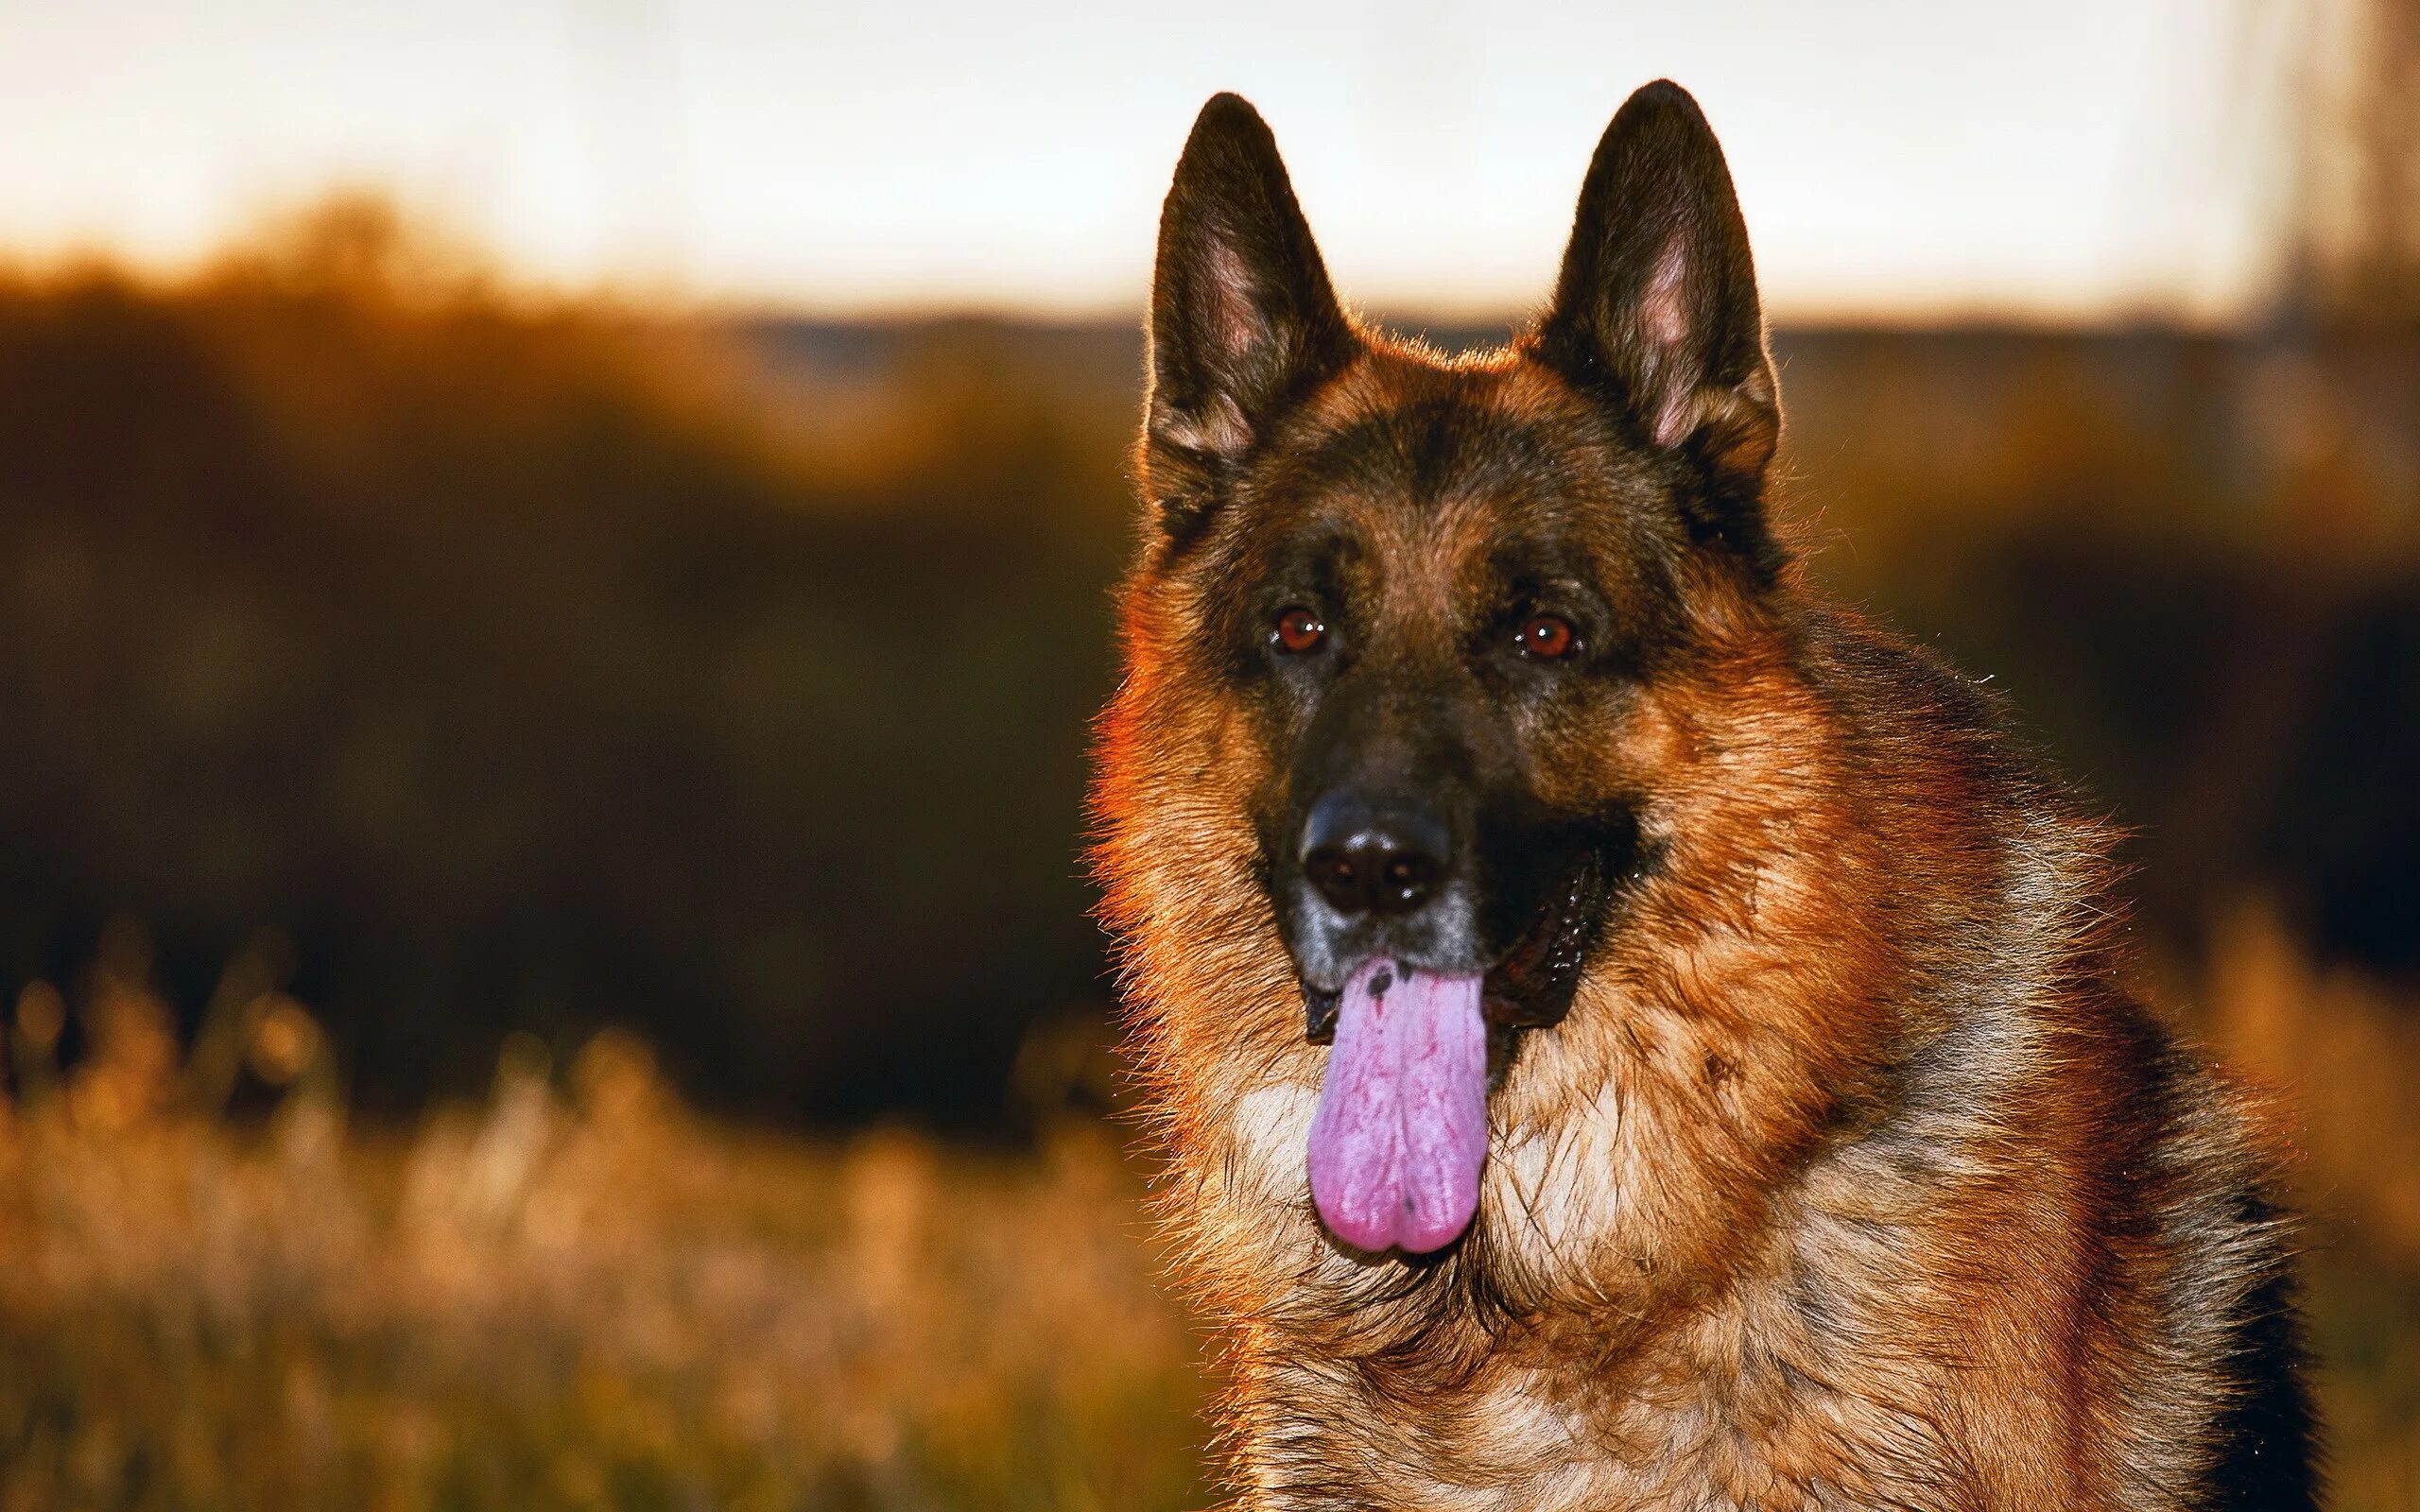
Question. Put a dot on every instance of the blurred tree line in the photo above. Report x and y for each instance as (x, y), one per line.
(525, 665)
(529, 665)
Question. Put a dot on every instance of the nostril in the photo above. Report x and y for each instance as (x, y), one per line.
(1331, 870)
(1407, 881)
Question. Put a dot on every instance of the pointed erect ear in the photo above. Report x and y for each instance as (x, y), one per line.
(1655, 312)
(1243, 321)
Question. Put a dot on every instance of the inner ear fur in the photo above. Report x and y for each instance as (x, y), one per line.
(1656, 314)
(1243, 318)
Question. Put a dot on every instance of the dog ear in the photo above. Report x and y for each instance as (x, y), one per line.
(1655, 312)
(1243, 318)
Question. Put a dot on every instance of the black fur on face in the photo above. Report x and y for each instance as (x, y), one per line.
(1422, 539)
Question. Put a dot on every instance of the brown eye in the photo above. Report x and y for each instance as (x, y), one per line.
(1299, 630)
(1548, 637)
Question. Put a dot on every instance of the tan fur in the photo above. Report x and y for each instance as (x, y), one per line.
(1728, 1255)
(1854, 1176)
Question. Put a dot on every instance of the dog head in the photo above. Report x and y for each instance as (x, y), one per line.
(1413, 641)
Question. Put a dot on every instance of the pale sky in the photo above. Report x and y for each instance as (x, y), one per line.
(2064, 159)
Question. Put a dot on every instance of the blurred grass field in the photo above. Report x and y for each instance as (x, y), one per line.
(579, 1294)
(576, 1295)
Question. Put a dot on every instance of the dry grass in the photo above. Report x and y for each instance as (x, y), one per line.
(580, 1295)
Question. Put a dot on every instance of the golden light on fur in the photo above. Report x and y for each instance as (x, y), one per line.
(1852, 1174)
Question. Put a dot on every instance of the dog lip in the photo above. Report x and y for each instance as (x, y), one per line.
(1530, 984)
(1319, 1013)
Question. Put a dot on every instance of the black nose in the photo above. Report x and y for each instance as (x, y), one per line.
(1374, 856)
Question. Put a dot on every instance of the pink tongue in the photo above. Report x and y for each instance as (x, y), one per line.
(1401, 1130)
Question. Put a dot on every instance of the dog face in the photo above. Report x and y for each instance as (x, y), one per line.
(1424, 626)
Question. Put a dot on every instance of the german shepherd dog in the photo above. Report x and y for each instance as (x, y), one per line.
(1627, 1034)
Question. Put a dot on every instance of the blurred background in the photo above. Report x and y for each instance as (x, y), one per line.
(554, 569)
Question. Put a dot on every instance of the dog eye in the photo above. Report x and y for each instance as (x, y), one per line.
(1299, 630)
(1547, 637)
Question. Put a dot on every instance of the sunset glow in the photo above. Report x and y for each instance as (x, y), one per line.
(2071, 160)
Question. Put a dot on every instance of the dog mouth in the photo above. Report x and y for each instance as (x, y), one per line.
(1399, 1138)
(1530, 985)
